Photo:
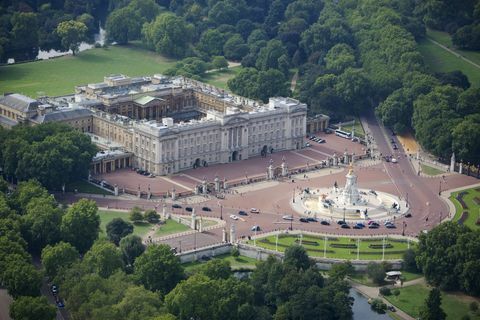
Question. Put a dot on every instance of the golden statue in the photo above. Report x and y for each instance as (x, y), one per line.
(350, 167)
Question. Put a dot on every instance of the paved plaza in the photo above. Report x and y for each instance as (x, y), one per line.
(274, 198)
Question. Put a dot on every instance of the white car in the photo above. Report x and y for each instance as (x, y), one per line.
(256, 228)
(254, 210)
(287, 217)
(394, 160)
(234, 217)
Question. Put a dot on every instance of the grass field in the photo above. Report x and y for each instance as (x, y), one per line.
(60, 76)
(431, 171)
(440, 60)
(445, 39)
(317, 250)
(171, 227)
(473, 209)
(83, 186)
(106, 216)
(411, 299)
(219, 78)
(240, 262)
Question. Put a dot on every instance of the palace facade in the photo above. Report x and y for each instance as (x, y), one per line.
(168, 124)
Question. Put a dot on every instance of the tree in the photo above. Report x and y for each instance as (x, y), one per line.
(41, 223)
(22, 279)
(117, 229)
(32, 308)
(168, 34)
(216, 269)
(24, 32)
(136, 215)
(72, 33)
(268, 56)
(296, 257)
(158, 269)
(123, 25)
(80, 224)
(341, 270)
(104, 258)
(59, 256)
(340, 57)
(235, 48)
(376, 272)
(131, 247)
(432, 309)
(26, 191)
(409, 262)
(137, 303)
(211, 42)
(219, 62)
(151, 216)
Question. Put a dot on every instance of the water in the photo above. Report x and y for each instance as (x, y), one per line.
(98, 38)
(38, 54)
(361, 309)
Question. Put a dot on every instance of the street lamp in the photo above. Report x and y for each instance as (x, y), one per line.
(406, 200)
(221, 212)
(440, 188)
(293, 195)
(344, 214)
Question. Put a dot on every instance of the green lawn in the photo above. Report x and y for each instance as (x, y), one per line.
(219, 78)
(60, 76)
(440, 60)
(241, 262)
(445, 39)
(171, 227)
(83, 186)
(140, 229)
(431, 171)
(473, 209)
(411, 299)
(366, 253)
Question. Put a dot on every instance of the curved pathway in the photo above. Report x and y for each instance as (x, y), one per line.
(458, 55)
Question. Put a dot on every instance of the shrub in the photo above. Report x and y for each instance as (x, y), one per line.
(396, 292)
(378, 306)
(385, 291)
(235, 252)
(473, 306)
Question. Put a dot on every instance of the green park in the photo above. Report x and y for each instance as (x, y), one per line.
(339, 247)
(467, 207)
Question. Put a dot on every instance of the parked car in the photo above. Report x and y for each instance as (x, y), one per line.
(60, 303)
(206, 209)
(345, 226)
(408, 215)
(54, 289)
(341, 222)
(254, 210)
(176, 206)
(359, 226)
(234, 217)
(312, 219)
(325, 223)
(256, 228)
(287, 217)
(394, 160)
(303, 220)
(390, 226)
(242, 213)
(189, 209)
(373, 226)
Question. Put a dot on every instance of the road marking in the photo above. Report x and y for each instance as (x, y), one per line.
(306, 157)
(321, 152)
(176, 183)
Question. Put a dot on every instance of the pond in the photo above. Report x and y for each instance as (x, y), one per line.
(361, 309)
(39, 54)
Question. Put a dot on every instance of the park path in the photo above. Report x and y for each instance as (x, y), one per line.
(454, 53)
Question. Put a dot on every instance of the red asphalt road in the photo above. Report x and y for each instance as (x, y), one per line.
(275, 201)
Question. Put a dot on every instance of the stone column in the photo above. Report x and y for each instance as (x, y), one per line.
(174, 195)
(460, 170)
(452, 163)
(345, 158)
(149, 194)
(270, 172)
(224, 235)
(204, 186)
(284, 169)
(200, 225)
(225, 184)
(139, 193)
(217, 184)
(233, 237)
(335, 159)
(164, 211)
(193, 223)
(116, 190)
